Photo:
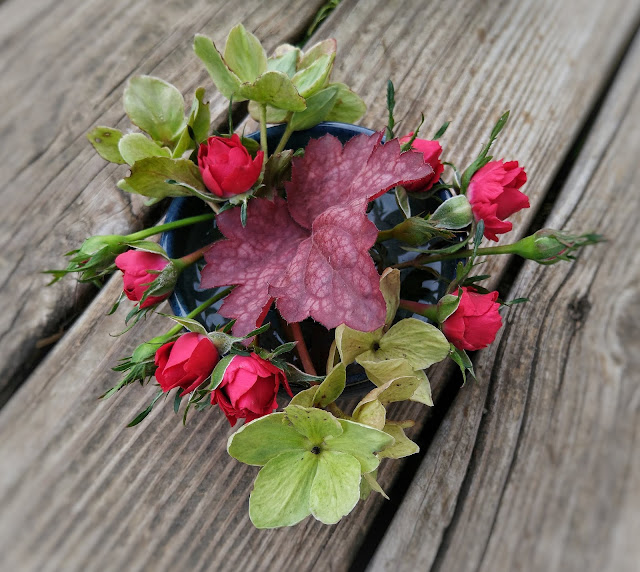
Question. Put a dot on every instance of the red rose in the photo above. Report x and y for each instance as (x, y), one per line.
(136, 265)
(494, 195)
(185, 363)
(227, 168)
(248, 389)
(431, 151)
(476, 321)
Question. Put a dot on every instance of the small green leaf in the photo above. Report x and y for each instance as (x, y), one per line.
(370, 479)
(371, 413)
(218, 372)
(177, 400)
(441, 131)
(332, 387)
(283, 349)
(318, 107)
(263, 439)
(138, 418)
(403, 446)
(421, 344)
(244, 54)
(422, 394)
(324, 48)
(188, 323)
(261, 330)
(105, 141)
(447, 305)
(352, 343)
(273, 88)
(155, 106)
(295, 376)
(360, 441)
(391, 104)
(348, 107)
(335, 490)
(149, 178)
(148, 246)
(402, 199)
(315, 424)
(280, 495)
(285, 60)
(136, 146)
(499, 125)
(390, 288)
(305, 398)
(399, 389)
(225, 80)
(312, 79)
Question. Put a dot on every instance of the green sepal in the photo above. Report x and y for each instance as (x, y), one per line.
(273, 88)
(244, 54)
(402, 447)
(105, 141)
(224, 79)
(446, 306)
(149, 178)
(136, 146)
(138, 418)
(218, 372)
(155, 106)
(402, 200)
(332, 387)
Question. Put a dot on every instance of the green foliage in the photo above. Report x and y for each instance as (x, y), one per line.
(244, 54)
(156, 107)
(273, 88)
(151, 177)
(105, 141)
(224, 79)
(136, 146)
(312, 464)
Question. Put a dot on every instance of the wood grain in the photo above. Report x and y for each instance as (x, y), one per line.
(92, 494)
(538, 466)
(64, 68)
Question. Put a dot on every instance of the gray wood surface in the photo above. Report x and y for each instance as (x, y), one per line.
(64, 67)
(537, 466)
(80, 491)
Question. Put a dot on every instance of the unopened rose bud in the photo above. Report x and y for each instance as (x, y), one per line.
(548, 246)
(454, 213)
(414, 231)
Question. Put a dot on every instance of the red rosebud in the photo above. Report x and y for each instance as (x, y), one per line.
(494, 195)
(227, 167)
(475, 322)
(136, 265)
(248, 389)
(431, 151)
(185, 363)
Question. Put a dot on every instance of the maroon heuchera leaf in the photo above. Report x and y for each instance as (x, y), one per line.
(310, 253)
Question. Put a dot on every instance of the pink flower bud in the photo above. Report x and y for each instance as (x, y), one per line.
(136, 265)
(185, 363)
(431, 151)
(475, 322)
(227, 167)
(494, 195)
(248, 389)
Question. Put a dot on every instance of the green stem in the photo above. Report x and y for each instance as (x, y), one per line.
(336, 411)
(201, 308)
(263, 132)
(385, 235)
(285, 136)
(169, 226)
(429, 258)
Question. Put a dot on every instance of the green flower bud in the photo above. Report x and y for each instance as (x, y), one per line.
(453, 214)
(548, 246)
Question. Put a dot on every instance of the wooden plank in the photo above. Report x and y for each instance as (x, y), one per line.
(163, 496)
(64, 70)
(536, 467)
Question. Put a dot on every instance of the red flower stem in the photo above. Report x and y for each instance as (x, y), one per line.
(427, 310)
(429, 258)
(301, 347)
(189, 259)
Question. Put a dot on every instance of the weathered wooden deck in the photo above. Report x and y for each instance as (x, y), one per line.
(534, 467)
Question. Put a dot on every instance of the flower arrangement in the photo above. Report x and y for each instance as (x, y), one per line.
(296, 241)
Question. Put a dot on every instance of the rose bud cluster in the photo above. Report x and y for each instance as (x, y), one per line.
(475, 322)
(226, 166)
(140, 269)
(185, 363)
(494, 195)
(431, 151)
(248, 389)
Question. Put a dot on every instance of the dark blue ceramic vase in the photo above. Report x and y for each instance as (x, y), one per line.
(416, 284)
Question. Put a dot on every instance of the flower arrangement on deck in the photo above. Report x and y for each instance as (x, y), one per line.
(296, 243)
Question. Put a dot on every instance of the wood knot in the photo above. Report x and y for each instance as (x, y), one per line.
(579, 309)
